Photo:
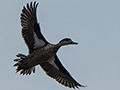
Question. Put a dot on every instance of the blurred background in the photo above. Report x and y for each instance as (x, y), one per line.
(94, 24)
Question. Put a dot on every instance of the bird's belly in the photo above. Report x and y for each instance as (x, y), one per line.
(38, 57)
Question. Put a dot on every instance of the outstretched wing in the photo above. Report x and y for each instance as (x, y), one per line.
(30, 28)
(55, 69)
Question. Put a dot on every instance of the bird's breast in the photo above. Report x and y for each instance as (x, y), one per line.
(42, 55)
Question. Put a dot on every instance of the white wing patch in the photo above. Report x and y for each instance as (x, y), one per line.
(38, 42)
(51, 61)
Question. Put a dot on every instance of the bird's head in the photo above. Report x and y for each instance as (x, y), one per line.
(66, 41)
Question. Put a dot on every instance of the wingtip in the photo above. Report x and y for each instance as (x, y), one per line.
(83, 86)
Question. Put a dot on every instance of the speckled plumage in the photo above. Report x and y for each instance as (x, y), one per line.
(40, 51)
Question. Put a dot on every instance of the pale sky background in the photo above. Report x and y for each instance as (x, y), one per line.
(94, 24)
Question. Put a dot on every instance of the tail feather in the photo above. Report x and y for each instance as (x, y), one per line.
(21, 63)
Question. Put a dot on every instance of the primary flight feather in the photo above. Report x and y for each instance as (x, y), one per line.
(40, 51)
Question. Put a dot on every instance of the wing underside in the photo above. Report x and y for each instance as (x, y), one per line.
(56, 70)
(30, 28)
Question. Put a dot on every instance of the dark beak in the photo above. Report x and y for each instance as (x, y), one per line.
(74, 42)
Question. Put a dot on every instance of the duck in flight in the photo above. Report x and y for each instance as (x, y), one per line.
(41, 52)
